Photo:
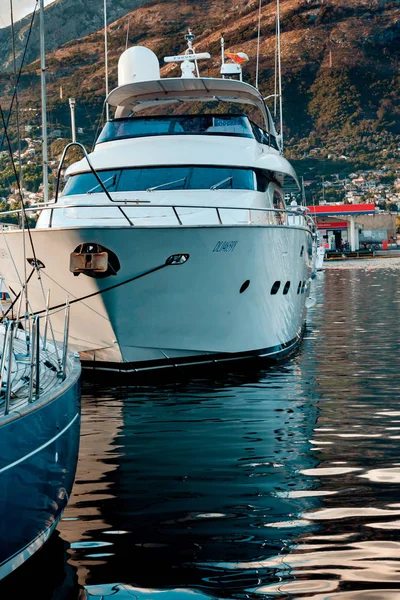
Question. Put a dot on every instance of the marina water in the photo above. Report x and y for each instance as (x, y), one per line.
(251, 481)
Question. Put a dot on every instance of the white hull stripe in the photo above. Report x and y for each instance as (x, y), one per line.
(23, 458)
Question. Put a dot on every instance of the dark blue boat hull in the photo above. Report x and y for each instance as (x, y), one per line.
(38, 460)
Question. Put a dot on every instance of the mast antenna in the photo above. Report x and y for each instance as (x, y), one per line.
(44, 107)
(127, 35)
(106, 58)
(20, 185)
(258, 42)
(278, 48)
(16, 91)
(303, 192)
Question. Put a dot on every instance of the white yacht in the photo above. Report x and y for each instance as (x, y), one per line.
(172, 238)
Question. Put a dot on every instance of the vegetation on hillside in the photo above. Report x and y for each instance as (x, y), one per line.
(339, 61)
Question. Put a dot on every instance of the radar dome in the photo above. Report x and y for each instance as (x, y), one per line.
(137, 64)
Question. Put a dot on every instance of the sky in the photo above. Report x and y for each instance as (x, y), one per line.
(20, 9)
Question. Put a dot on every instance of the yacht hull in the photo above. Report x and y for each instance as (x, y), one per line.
(217, 305)
(40, 445)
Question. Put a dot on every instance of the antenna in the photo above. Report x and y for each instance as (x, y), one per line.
(303, 192)
(127, 35)
(72, 103)
(20, 186)
(278, 39)
(16, 92)
(44, 108)
(188, 58)
(258, 42)
(275, 94)
(106, 58)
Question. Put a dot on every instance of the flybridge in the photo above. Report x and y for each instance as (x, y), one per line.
(140, 85)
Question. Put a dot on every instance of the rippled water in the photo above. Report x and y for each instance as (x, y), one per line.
(272, 482)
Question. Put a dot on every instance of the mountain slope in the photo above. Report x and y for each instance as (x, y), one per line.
(65, 20)
(339, 63)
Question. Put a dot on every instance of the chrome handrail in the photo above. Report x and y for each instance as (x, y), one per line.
(38, 352)
(304, 214)
(63, 372)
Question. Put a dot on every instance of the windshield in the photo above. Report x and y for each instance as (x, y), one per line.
(163, 178)
(233, 125)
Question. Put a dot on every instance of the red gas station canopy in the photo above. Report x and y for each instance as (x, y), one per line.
(327, 210)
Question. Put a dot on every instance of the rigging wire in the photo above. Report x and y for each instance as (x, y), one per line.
(18, 182)
(100, 122)
(106, 55)
(278, 37)
(276, 72)
(45, 161)
(107, 289)
(258, 43)
(35, 261)
(16, 89)
(19, 72)
(68, 293)
(25, 287)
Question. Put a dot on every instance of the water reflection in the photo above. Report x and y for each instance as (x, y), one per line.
(204, 468)
(358, 459)
(276, 482)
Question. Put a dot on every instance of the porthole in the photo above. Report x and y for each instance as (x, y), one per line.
(275, 287)
(244, 286)
(286, 288)
(302, 251)
(299, 288)
(303, 287)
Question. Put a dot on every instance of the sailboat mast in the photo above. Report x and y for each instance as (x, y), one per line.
(106, 57)
(44, 107)
(278, 35)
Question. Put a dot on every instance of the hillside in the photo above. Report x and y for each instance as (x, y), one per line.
(65, 20)
(339, 63)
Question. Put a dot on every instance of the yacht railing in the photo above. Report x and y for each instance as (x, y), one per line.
(24, 375)
(275, 216)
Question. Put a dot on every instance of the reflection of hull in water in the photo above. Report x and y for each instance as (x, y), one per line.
(320, 256)
(217, 305)
(48, 573)
(200, 471)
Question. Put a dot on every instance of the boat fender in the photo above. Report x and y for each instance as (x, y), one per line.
(310, 302)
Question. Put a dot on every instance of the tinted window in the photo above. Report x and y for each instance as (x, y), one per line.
(287, 287)
(263, 136)
(87, 183)
(162, 178)
(236, 125)
(262, 181)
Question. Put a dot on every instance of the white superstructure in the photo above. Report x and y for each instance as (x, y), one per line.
(172, 238)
